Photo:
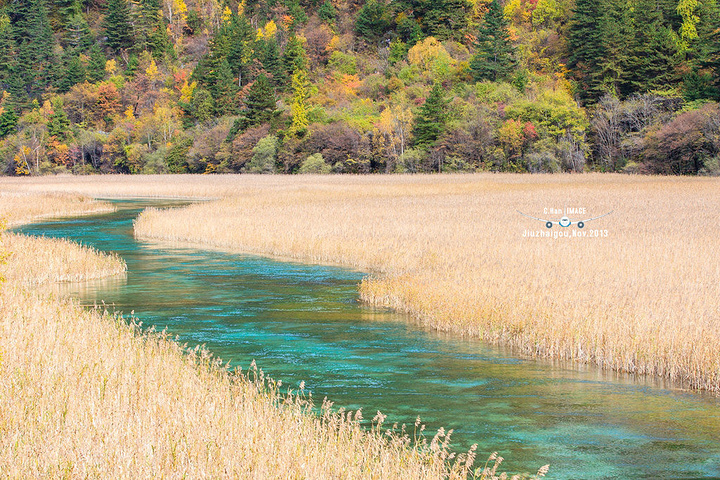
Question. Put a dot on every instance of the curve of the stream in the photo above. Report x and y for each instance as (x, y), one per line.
(303, 323)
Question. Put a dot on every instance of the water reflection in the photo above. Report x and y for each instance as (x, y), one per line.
(302, 323)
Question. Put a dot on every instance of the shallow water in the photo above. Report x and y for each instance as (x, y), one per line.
(304, 323)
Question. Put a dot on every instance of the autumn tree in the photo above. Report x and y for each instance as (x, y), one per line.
(298, 108)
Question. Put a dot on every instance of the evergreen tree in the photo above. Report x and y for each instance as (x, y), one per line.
(96, 65)
(77, 31)
(58, 123)
(240, 52)
(132, 65)
(617, 33)
(653, 54)
(271, 61)
(8, 122)
(431, 120)
(585, 49)
(225, 91)
(371, 22)
(707, 49)
(34, 42)
(494, 58)
(260, 104)
(294, 57)
(327, 12)
(446, 19)
(8, 58)
(72, 71)
(117, 25)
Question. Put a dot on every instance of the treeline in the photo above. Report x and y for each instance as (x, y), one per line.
(295, 86)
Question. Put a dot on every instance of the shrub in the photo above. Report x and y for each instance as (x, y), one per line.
(315, 163)
(264, 153)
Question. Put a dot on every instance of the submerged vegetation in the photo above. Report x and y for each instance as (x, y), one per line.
(203, 86)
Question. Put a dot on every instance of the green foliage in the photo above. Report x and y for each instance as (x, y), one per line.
(176, 157)
(58, 123)
(315, 164)
(96, 65)
(327, 12)
(494, 57)
(260, 104)
(264, 154)
(118, 29)
(343, 63)
(294, 57)
(72, 71)
(372, 21)
(8, 122)
(430, 122)
(34, 46)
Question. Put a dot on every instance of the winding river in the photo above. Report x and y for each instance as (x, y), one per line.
(303, 323)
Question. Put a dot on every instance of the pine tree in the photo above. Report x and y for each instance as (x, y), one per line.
(294, 57)
(96, 65)
(446, 19)
(260, 104)
(8, 122)
(117, 25)
(585, 49)
(617, 33)
(58, 123)
(225, 91)
(36, 62)
(653, 54)
(72, 71)
(327, 12)
(77, 30)
(431, 120)
(494, 58)
(371, 22)
(272, 64)
(707, 48)
(240, 50)
(8, 58)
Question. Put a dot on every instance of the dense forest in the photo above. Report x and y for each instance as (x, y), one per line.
(352, 86)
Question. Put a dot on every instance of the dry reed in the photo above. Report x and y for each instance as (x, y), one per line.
(85, 394)
(450, 249)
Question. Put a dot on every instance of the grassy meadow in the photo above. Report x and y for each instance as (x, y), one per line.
(85, 394)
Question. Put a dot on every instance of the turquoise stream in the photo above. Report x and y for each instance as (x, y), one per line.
(304, 323)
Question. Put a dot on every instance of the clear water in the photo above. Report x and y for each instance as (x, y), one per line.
(303, 323)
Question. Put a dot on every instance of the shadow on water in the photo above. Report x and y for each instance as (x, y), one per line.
(303, 323)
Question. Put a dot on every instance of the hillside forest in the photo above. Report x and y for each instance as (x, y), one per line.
(352, 86)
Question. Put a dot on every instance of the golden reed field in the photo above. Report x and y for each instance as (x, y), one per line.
(451, 250)
(85, 394)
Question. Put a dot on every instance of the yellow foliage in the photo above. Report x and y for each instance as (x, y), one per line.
(270, 29)
(430, 56)
(111, 67)
(152, 71)
(129, 113)
(186, 91)
(241, 8)
(227, 13)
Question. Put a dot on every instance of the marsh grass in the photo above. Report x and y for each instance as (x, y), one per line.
(87, 394)
(450, 250)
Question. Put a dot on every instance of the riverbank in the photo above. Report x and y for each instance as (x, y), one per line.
(87, 394)
(636, 291)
